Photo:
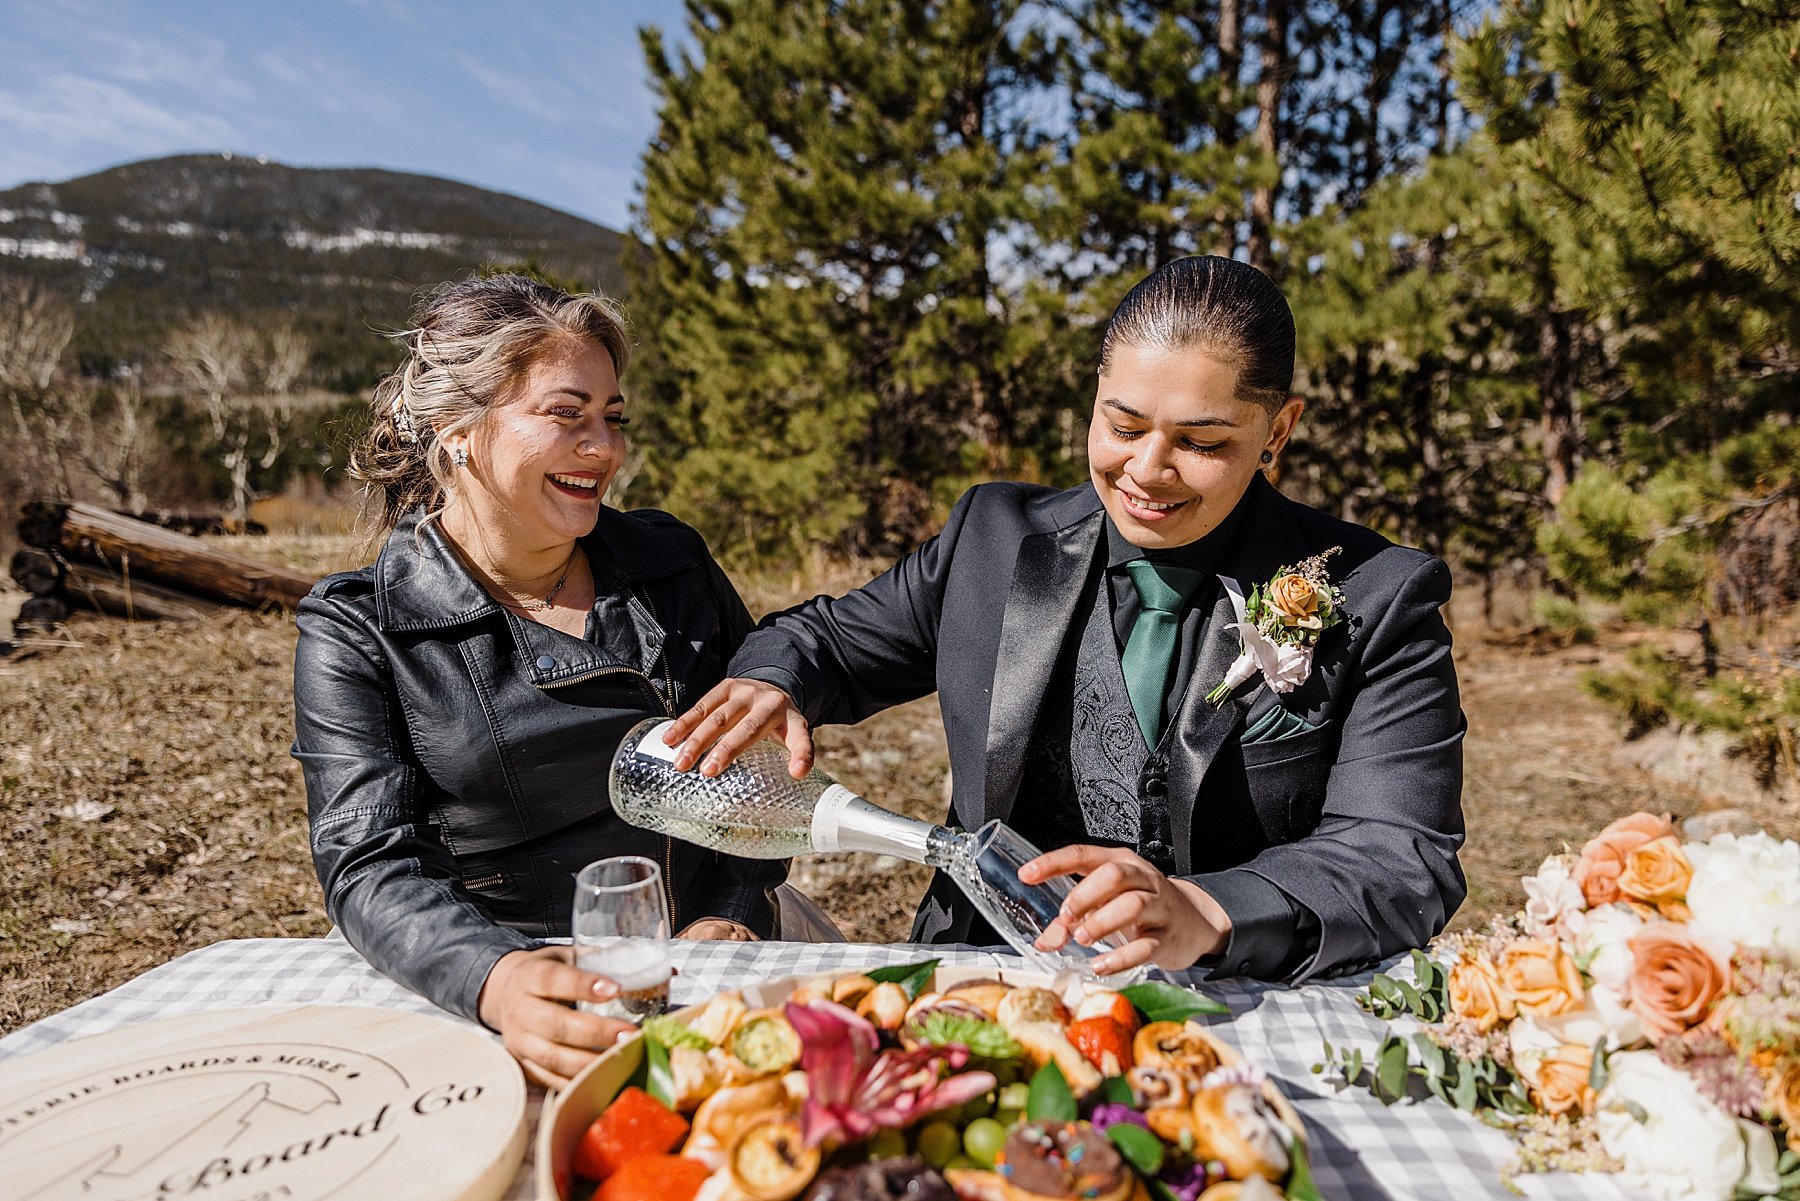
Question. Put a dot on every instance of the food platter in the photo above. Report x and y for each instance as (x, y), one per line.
(1208, 1124)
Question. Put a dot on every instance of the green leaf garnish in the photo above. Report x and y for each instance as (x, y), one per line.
(1141, 1149)
(659, 1079)
(985, 1040)
(1115, 1090)
(670, 1032)
(1050, 1099)
(1300, 1183)
(913, 977)
(1160, 1002)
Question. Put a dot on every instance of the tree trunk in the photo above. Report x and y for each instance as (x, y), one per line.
(1428, 504)
(1556, 398)
(1270, 85)
(42, 613)
(89, 534)
(1231, 67)
(90, 586)
(37, 572)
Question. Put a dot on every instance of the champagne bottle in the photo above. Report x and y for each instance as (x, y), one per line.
(756, 810)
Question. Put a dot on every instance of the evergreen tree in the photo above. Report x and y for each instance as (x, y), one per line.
(842, 342)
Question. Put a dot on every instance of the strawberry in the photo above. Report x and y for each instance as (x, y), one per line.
(1104, 1042)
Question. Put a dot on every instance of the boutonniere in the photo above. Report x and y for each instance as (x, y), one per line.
(1282, 623)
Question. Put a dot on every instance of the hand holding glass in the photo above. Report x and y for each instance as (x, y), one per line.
(620, 929)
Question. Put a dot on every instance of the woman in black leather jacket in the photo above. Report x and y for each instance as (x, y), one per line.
(457, 702)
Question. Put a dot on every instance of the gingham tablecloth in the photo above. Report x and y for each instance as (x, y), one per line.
(1360, 1149)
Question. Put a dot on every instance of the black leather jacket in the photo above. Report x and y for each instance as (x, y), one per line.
(456, 754)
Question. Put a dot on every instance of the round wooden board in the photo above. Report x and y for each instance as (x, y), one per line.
(275, 1103)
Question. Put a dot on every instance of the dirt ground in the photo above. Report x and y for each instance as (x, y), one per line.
(149, 807)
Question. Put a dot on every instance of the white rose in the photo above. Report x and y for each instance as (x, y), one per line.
(1683, 1146)
(1623, 1029)
(1531, 1039)
(1746, 891)
(1600, 946)
(1552, 900)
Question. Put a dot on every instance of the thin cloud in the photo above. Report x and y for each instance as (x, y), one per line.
(67, 109)
(531, 95)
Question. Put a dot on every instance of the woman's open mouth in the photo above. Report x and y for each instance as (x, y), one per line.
(1149, 510)
(582, 487)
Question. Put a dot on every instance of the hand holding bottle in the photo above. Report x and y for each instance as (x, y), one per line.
(1156, 919)
(735, 714)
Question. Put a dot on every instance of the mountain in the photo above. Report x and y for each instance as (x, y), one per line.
(343, 252)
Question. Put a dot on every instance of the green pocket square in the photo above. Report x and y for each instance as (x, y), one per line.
(1276, 723)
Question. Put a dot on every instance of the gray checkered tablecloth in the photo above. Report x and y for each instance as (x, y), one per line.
(1411, 1152)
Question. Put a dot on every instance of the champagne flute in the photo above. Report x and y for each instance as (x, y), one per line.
(620, 928)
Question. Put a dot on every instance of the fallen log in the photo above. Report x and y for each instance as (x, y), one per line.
(37, 572)
(42, 613)
(85, 533)
(90, 586)
(193, 521)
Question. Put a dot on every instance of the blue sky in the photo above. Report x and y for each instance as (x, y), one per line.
(545, 99)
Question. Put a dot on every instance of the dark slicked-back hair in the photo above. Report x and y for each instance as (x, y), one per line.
(1218, 305)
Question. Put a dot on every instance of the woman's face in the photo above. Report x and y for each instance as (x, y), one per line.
(540, 462)
(1171, 449)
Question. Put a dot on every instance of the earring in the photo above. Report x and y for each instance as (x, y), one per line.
(459, 455)
(1268, 457)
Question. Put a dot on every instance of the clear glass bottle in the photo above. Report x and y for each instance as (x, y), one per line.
(755, 809)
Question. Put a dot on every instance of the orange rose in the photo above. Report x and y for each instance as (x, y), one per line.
(1784, 1099)
(1294, 596)
(1674, 980)
(1540, 977)
(1602, 860)
(1476, 995)
(1657, 873)
(1562, 1084)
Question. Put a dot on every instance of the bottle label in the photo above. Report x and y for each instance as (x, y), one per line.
(827, 816)
(651, 745)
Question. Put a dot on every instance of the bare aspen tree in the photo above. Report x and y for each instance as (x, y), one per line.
(214, 354)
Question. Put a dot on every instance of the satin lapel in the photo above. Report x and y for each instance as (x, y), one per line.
(1047, 584)
(1200, 727)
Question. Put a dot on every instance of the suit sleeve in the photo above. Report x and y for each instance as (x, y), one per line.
(1379, 872)
(390, 884)
(870, 649)
(742, 892)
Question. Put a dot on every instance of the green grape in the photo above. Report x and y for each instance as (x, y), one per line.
(1008, 1118)
(983, 1139)
(939, 1141)
(887, 1144)
(976, 1107)
(1015, 1096)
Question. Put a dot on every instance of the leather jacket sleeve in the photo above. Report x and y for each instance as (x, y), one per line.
(390, 884)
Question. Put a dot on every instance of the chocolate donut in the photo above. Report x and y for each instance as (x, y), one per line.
(1062, 1161)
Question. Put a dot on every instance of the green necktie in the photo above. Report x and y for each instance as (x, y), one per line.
(1163, 590)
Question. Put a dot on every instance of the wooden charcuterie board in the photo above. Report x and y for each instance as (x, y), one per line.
(288, 1103)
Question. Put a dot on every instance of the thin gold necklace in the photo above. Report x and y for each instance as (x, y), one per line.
(538, 606)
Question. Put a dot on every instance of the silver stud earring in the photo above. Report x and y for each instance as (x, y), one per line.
(459, 455)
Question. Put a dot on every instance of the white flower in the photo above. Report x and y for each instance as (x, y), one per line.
(1673, 1142)
(1531, 1040)
(1600, 946)
(1746, 891)
(1554, 899)
(1759, 1148)
(1284, 666)
(1623, 1027)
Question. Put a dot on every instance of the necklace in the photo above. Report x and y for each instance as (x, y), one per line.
(538, 606)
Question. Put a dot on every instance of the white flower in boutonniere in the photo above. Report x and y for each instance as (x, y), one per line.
(1283, 620)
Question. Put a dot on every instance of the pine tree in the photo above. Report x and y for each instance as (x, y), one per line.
(840, 341)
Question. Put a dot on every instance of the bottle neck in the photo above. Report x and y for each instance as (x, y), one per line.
(843, 821)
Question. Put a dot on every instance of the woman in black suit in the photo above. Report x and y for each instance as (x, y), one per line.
(1072, 638)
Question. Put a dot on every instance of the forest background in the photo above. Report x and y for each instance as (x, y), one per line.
(1543, 257)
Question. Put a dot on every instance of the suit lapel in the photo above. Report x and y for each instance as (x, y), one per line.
(1047, 585)
(1201, 728)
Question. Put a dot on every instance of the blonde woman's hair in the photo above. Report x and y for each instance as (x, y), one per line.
(470, 344)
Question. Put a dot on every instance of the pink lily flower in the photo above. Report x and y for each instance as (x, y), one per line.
(855, 1089)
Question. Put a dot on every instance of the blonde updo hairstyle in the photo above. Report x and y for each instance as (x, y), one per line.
(471, 343)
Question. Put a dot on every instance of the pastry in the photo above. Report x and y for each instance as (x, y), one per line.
(765, 1042)
(1235, 1124)
(986, 994)
(1062, 1161)
(770, 1161)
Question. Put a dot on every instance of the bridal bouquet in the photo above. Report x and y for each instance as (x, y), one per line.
(1640, 1016)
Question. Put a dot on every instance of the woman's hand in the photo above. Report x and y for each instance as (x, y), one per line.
(717, 929)
(1164, 921)
(523, 998)
(734, 715)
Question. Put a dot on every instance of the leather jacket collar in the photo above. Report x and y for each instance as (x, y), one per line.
(420, 584)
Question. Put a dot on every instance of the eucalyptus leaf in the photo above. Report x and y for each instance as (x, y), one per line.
(1390, 1071)
(1300, 1183)
(1409, 996)
(1464, 1091)
(1354, 1069)
(1050, 1099)
(1141, 1149)
(1160, 1002)
(1598, 1071)
(659, 1079)
(913, 977)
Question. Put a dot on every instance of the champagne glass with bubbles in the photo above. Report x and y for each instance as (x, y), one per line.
(620, 928)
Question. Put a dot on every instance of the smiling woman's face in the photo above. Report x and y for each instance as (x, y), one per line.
(1171, 449)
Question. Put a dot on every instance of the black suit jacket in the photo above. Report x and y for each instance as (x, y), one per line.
(1358, 819)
